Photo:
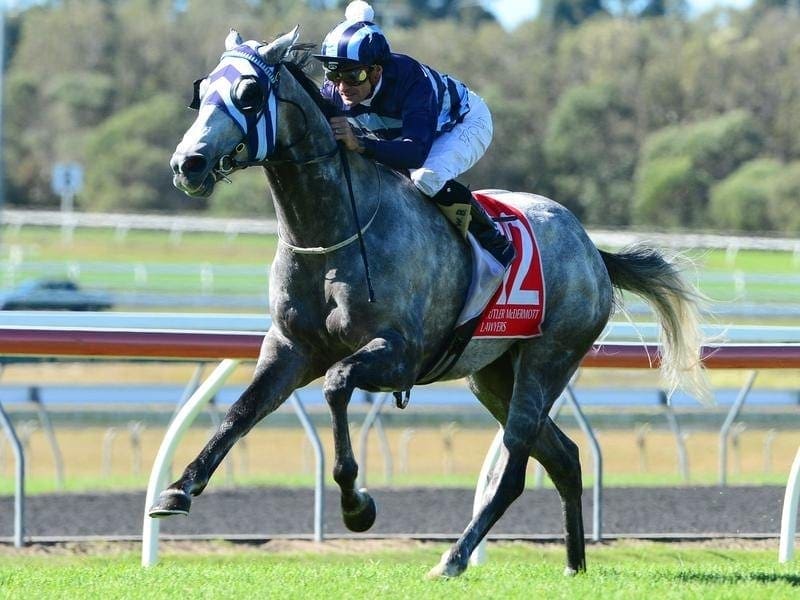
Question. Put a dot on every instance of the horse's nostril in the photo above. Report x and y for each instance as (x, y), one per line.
(175, 164)
(193, 164)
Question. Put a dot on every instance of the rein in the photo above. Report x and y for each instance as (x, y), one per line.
(347, 176)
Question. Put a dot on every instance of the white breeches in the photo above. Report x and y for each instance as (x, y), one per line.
(457, 150)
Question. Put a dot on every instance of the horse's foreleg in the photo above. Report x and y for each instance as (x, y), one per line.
(281, 368)
(559, 456)
(380, 364)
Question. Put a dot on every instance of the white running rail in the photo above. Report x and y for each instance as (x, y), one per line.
(183, 223)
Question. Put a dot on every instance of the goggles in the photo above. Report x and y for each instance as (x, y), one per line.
(349, 77)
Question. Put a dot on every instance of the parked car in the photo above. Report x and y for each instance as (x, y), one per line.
(53, 294)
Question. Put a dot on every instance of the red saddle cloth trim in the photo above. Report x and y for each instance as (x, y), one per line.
(517, 308)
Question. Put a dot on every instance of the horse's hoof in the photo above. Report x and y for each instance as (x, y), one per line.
(445, 571)
(448, 567)
(573, 571)
(362, 517)
(170, 502)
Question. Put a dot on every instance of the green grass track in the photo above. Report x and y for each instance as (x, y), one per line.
(514, 570)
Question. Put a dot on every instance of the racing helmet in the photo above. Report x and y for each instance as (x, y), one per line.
(355, 41)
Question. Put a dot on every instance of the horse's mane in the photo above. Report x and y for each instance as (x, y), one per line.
(296, 66)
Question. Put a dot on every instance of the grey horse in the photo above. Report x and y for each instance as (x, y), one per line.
(258, 107)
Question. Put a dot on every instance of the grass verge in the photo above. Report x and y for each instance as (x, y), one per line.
(514, 570)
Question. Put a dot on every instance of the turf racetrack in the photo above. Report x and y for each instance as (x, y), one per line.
(265, 512)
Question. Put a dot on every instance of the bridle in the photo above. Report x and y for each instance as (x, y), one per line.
(228, 163)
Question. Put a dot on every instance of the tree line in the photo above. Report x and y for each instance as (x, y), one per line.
(631, 118)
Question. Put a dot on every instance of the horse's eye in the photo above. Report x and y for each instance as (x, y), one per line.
(248, 95)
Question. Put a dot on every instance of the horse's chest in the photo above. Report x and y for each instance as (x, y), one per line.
(346, 322)
(329, 321)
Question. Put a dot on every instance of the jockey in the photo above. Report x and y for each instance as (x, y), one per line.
(409, 117)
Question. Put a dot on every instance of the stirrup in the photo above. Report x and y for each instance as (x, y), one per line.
(401, 398)
(505, 256)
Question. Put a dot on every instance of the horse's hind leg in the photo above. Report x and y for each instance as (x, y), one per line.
(508, 481)
(281, 368)
(559, 456)
(380, 364)
(531, 398)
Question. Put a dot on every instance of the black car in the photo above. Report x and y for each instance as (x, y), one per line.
(53, 294)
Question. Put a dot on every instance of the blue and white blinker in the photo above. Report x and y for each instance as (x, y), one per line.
(243, 86)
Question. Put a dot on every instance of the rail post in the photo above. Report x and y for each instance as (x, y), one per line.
(478, 556)
(175, 431)
(19, 476)
(725, 430)
(363, 437)
(791, 502)
(597, 465)
(319, 474)
(47, 426)
(683, 457)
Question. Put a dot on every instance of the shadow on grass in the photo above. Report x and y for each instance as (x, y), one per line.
(735, 578)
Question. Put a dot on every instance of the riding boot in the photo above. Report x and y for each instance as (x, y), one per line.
(455, 202)
(489, 235)
(460, 207)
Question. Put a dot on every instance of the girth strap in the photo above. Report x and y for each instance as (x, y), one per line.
(449, 357)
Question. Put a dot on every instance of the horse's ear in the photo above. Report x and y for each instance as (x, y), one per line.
(233, 40)
(274, 52)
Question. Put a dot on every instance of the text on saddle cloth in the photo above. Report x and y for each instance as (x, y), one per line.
(517, 308)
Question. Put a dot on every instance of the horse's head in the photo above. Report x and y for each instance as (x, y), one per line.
(237, 113)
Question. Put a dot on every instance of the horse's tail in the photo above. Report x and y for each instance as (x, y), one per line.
(647, 273)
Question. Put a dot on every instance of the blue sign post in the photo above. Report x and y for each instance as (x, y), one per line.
(67, 180)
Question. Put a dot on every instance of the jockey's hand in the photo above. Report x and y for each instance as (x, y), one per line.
(343, 132)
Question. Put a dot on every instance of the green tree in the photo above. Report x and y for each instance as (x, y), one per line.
(128, 160)
(716, 146)
(570, 12)
(55, 92)
(760, 7)
(246, 196)
(663, 8)
(784, 205)
(742, 201)
(591, 152)
(669, 194)
(713, 148)
(75, 64)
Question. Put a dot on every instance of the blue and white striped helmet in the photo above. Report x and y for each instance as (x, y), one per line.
(355, 41)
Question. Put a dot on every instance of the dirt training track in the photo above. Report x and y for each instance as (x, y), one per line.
(265, 512)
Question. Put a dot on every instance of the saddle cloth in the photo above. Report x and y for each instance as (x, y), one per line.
(516, 309)
(497, 306)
